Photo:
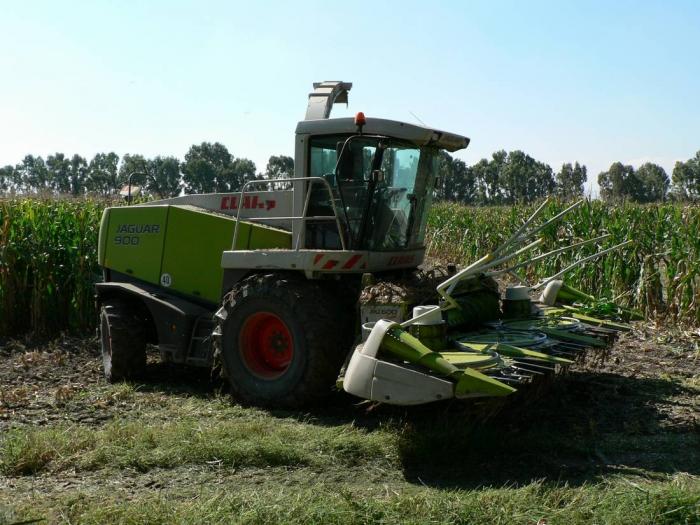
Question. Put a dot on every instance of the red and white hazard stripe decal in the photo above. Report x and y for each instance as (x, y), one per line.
(334, 261)
(352, 261)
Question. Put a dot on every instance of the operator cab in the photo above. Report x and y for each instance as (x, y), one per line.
(381, 173)
(381, 187)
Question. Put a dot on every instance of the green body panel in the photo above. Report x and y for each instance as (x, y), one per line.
(178, 247)
(514, 351)
(574, 312)
(564, 335)
(470, 359)
(469, 382)
(134, 240)
(433, 336)
(102, 239)
(192, 255)
(474, 382)
(194, 244)
(569, 294)
(599, 322)
(403, 345)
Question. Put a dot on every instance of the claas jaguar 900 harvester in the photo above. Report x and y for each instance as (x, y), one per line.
(295, 286)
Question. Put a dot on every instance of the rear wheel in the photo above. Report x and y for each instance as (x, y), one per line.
(281, 342)
(123, 340)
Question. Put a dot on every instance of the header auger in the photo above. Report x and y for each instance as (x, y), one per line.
(282, 286)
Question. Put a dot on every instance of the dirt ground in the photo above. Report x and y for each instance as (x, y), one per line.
(59, 381)
(62, 380)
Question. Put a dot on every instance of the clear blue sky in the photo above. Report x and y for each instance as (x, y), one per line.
(562, 80)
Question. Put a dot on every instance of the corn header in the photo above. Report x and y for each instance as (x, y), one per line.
(475, 342)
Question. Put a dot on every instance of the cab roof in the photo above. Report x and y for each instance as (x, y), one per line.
(418, 135)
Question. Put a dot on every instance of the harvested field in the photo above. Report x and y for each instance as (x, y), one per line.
(612, 442)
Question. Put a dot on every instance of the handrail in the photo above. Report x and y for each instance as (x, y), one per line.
(303, 217)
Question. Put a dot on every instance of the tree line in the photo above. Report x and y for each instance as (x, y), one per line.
(207, 167)
(513, 177)
(505, 178)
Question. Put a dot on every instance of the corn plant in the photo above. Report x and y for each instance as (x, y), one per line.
(658, 273)
(48, 265)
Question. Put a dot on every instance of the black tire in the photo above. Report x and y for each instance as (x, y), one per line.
(310, 322)
(123, 340)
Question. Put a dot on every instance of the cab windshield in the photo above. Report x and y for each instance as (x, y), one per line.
(381, 187)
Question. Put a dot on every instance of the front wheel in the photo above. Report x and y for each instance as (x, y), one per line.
(280, 340)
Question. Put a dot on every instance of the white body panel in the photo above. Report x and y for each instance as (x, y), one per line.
(258, 205)
(321, 261)
(371, 378)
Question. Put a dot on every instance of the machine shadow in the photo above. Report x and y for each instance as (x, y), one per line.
(572, 430)
(586, 426)
(176, 379)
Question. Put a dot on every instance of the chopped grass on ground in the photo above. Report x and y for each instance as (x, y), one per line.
(138, 444)
(616, 501)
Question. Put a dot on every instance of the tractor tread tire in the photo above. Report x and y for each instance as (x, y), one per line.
(127, 339)
(316, 315)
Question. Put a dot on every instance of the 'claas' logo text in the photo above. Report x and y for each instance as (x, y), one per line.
(249, 202)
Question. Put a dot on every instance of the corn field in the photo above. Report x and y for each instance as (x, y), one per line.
(48, 264)
(48, 256)
(659, 274)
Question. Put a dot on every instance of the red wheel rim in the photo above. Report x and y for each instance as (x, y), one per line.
(266, 345)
